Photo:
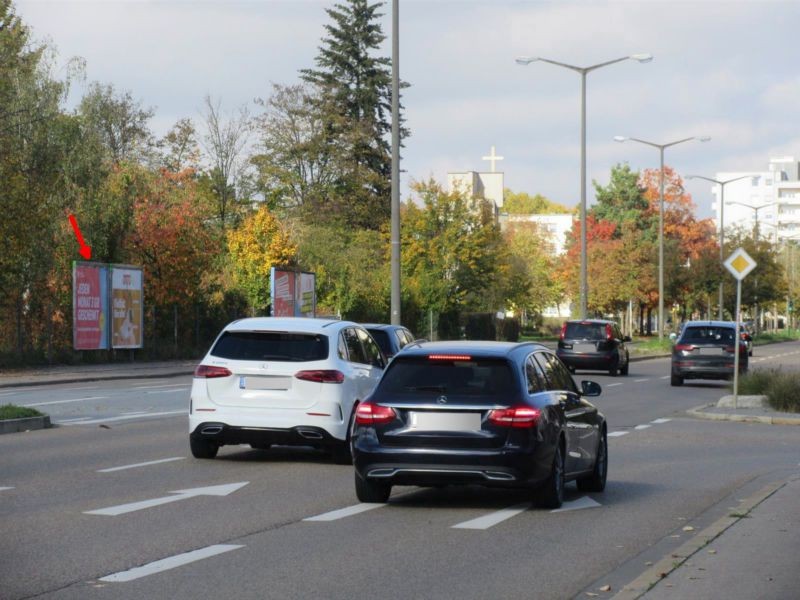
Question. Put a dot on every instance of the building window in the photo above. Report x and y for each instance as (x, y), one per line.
(754, 181)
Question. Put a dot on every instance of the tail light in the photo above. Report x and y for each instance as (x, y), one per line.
(321, 376)
(609, 333)
(684, 347)
(563, 333)
(209, 372)
(449, 357)
(368, 413)
(520, 417)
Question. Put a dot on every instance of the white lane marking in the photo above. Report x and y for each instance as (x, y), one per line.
(183, 389)
(142, 464)
(660, 421)
(639, 427)
(640, 380)
(75, 420)
(214, 490)
(618, 433)
(128, 417)
(665, 377)
(613, 385)
(494, 518)
(579, 504)
(65, 401)
(136, 412)
(6, 488)
(163, 385)
(172, 562)
(345, 512)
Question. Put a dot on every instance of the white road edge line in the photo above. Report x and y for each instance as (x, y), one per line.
(494, 518)
(345, 512)
(65, 401)
(163, 385)
(142, 464)
(127, 418)
(618, 433)
(183, 389)
(172, 562)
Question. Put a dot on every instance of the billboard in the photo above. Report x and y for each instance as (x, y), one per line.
(89, 306)
(127, 307)
(293, 293)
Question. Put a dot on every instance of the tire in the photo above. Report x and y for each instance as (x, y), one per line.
(551, 494)
(614, 368)
(203, 448)
(624, 370)
(368, 491)
(341, 452)
(596, 482)
(675, 380)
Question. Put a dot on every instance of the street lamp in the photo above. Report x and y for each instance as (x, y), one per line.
(755, 209)
(721, 185)
(526, 60)
(661, 148)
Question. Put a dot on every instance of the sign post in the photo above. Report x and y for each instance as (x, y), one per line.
(739, 264)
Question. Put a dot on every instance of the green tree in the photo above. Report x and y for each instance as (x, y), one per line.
(623, 201)
(355, 104)
(525, 204)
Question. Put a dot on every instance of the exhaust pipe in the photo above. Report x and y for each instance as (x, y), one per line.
(309, 434)
(211, 430)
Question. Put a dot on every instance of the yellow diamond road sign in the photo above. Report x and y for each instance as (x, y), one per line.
(740, 263)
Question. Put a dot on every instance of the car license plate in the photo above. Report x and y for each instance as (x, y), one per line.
(265, 383)
(585, 347)
(444, 421)
(711, 351)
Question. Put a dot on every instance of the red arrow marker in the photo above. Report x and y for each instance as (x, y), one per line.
(85, 251)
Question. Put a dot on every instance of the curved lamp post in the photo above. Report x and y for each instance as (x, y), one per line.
(661, 148)
(721, 185)
(526, 60)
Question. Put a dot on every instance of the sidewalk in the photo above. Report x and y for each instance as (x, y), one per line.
(76, 373)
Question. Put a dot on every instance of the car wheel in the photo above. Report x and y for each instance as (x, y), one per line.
(624, 370)
(675, 380)
(203, 448)
(341, 452)
(614, 368)
(551, 494)
(369, 491)
(596, 482)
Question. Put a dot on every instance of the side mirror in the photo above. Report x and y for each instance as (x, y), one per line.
(590, 388)
(627, 338)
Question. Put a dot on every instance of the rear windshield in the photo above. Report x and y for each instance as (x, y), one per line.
(708, 335)
(271, 345)
(477, 378)
(382, 338)
(585, 331)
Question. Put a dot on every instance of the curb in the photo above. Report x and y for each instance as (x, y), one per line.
(660, 570)
(25, 424)
(699, 412)
(97, 377)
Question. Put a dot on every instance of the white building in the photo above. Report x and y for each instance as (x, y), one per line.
(478, 185)
(555, 227)
(771, 198)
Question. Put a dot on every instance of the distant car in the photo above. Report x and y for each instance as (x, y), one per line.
(497, 414)
(287, 381)
(746, 335)
(594, 344)
(390, 338)
(707, 350)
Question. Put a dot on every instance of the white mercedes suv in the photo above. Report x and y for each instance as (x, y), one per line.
(286, 381)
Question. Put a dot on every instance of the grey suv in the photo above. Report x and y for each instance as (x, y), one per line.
(594, 344)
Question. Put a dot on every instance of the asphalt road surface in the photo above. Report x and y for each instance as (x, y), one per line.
(111, 505)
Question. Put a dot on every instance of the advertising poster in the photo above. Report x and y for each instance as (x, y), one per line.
(89, 306)
(282, 293)
(127, 307)
(306, 297)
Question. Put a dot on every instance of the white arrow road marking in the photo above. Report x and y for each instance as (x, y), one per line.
(660, 421)
(65, 401)
(128, 417)
(345, 512)
(214, 490)
(169, 563)
(618, 433)
(494, 518)
(580, 503)
(142, 464)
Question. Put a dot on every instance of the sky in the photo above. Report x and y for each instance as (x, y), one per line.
(725, 69)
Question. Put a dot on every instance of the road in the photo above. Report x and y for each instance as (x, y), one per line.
(113, 506)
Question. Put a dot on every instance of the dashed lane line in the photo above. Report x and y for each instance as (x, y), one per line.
(660, 421)
(341, 513)
(172, 562)
(618, 433)
(66, 401)
(613, 385)
(494, 518)
(141, 464)
(640, 427)
(2, 489)
(640, 380)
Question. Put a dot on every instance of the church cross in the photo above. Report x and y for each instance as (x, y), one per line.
(493, 158)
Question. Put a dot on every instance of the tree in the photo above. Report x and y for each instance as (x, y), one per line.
(355, 103)
(623, 201)
(258, 244)
(180, 147)
(525, 204)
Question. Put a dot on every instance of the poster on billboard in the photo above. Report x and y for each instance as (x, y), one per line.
(127, 307)
(89, 306)
(293, 294)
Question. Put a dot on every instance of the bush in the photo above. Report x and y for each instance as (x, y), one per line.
(480, 326)
(11, 411)
(781, 388)
(508, 330)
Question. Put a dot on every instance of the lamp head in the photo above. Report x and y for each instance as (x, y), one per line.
(620, 138)
(704, 138)
(525, 60)
(642, 57)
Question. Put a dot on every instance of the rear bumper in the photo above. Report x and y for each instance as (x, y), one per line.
(599, 360)
(303, 435)
(689, 370)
